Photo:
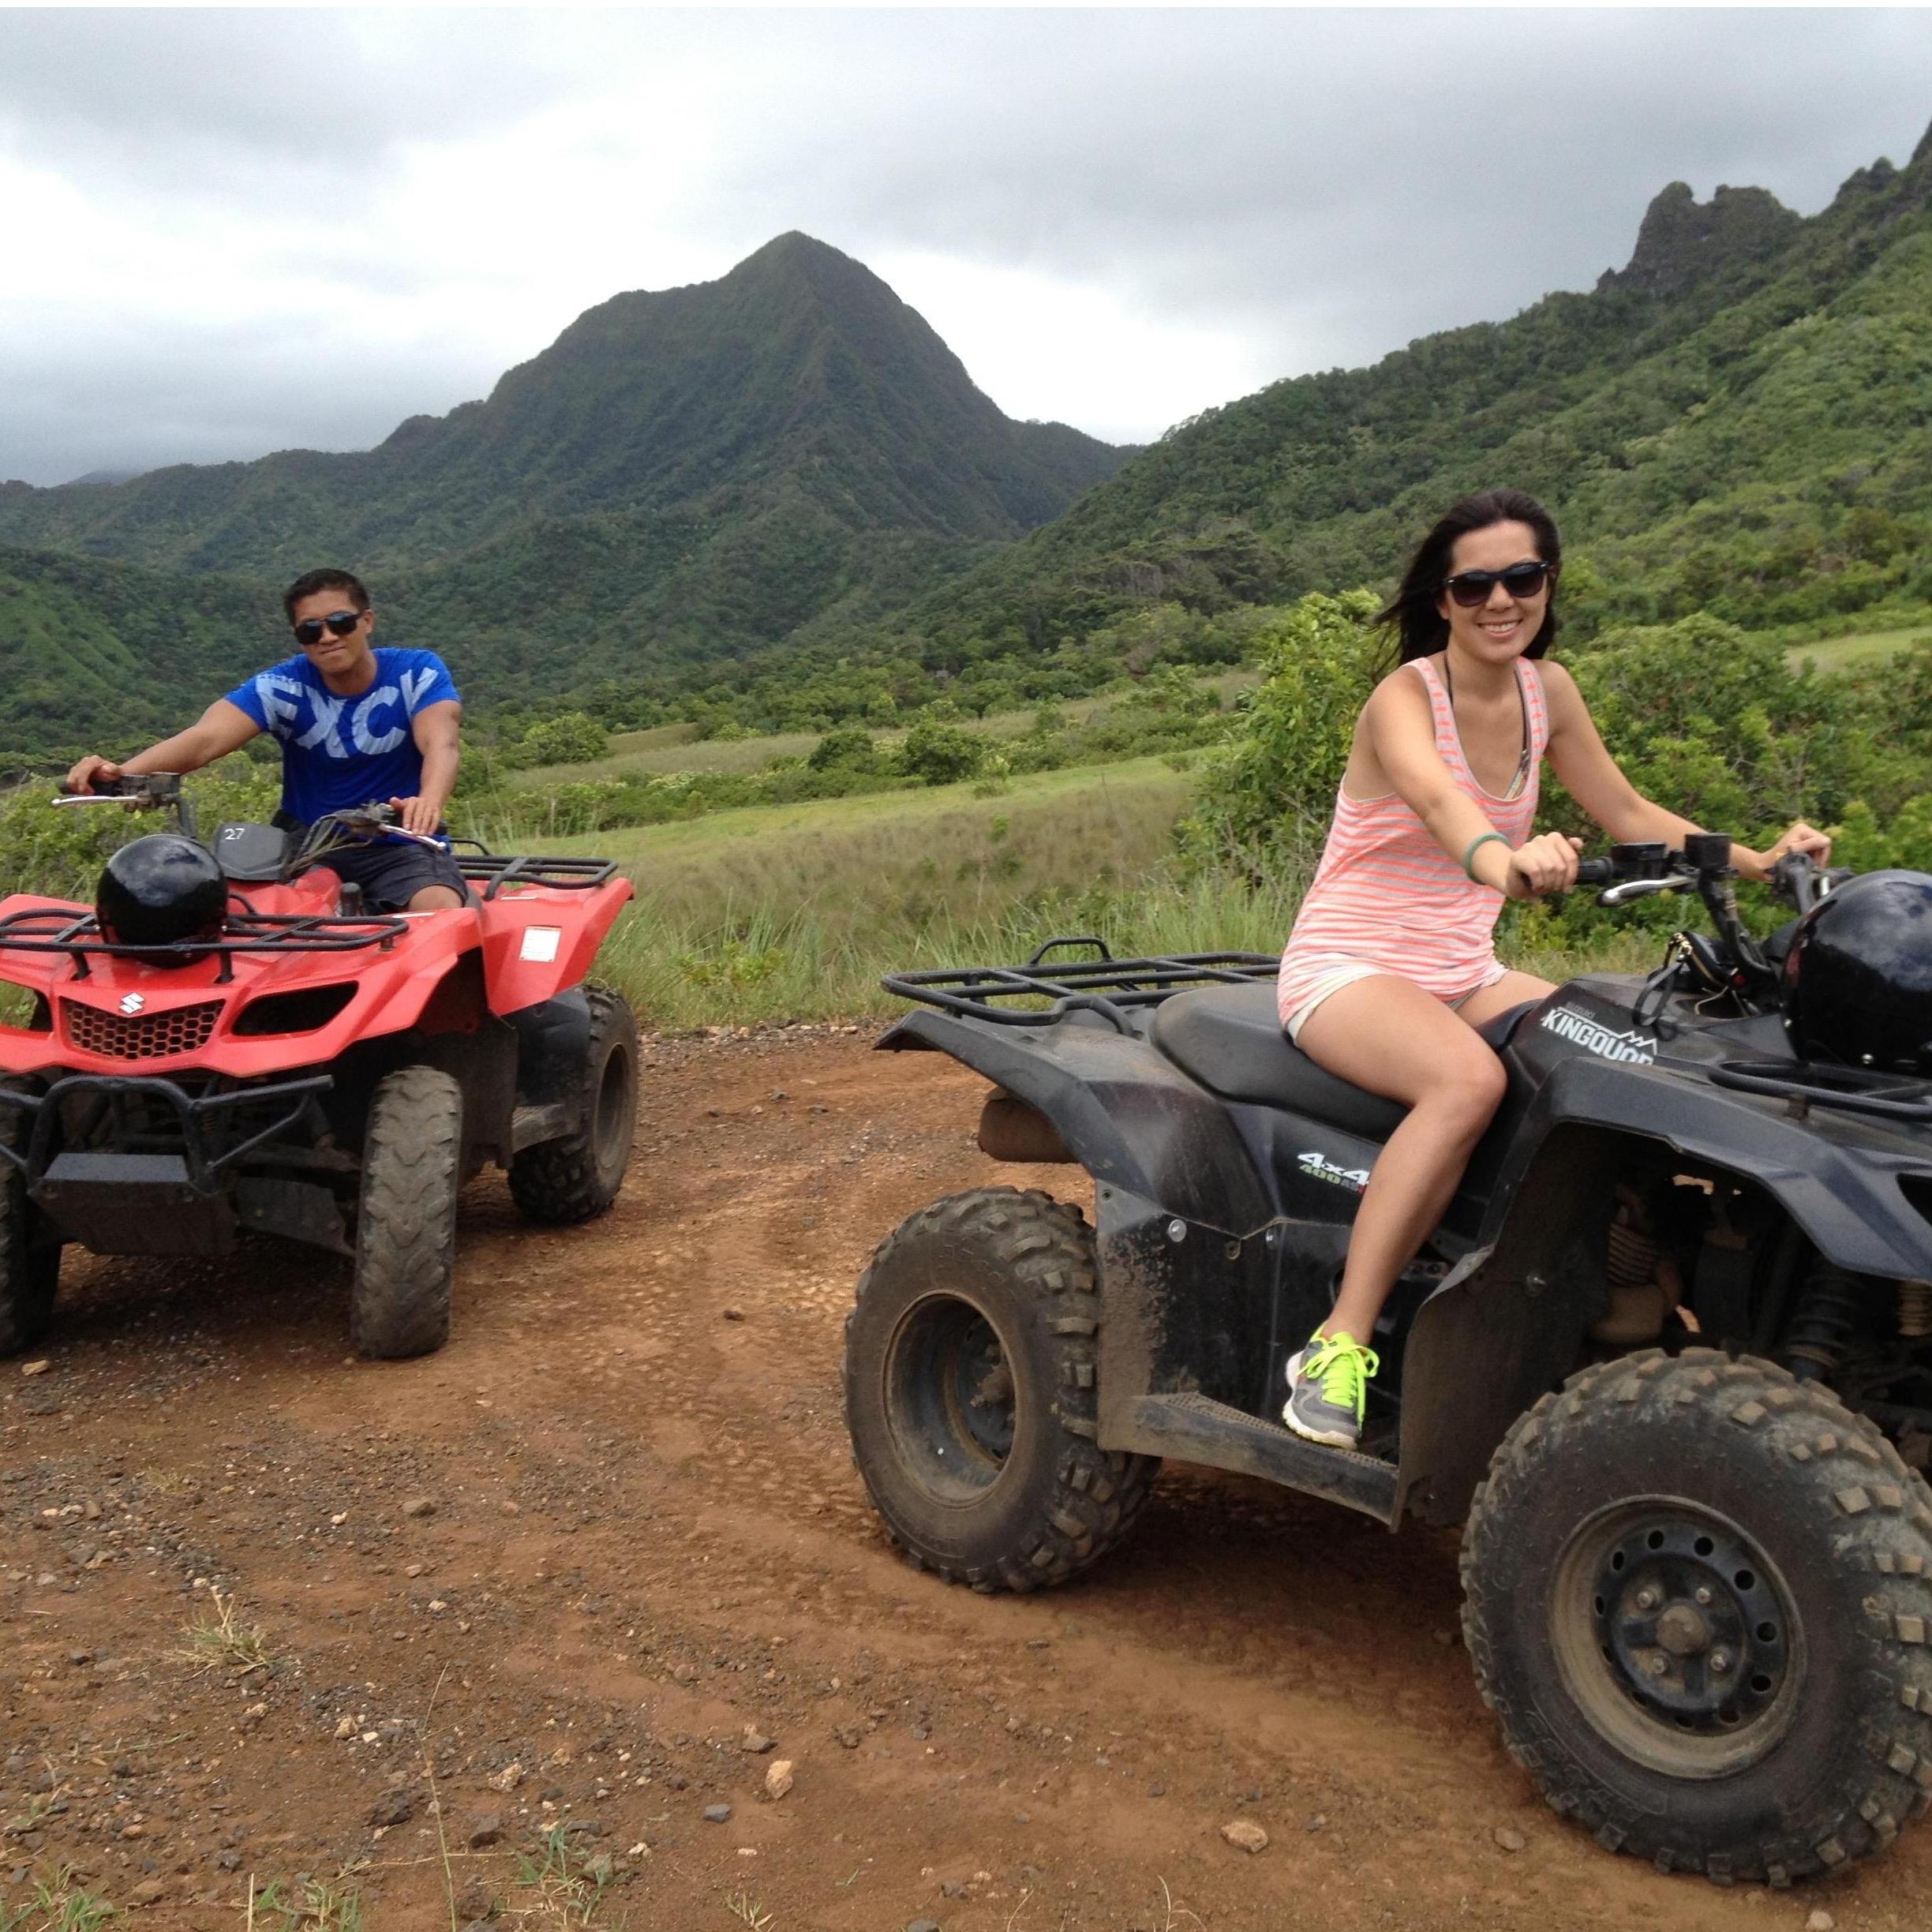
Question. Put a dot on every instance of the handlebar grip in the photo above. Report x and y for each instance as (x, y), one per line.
(101, 788)
(1593, 872)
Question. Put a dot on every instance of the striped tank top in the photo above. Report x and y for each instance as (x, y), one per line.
(1386, 895)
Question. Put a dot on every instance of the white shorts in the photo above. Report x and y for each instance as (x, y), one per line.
(1347, 972)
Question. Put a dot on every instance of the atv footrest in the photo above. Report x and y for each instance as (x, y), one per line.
(1196, 1428)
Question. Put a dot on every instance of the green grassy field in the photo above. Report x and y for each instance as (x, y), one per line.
(1841, 654)
(905, 859)
(672, 747)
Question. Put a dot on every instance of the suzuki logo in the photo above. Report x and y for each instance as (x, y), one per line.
(132, 1003)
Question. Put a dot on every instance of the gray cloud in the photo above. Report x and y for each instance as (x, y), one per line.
(1319, 186)
(234, 106)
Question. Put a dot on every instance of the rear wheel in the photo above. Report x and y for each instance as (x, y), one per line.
(969, 1391)
(29, 1257)
(1699, 1597)
(579, 1175)
(406, 1226)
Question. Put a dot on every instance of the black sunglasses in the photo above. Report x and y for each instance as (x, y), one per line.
(1471, 588)
(338, 623)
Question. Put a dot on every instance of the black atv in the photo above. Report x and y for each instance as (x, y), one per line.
(1669, 1352)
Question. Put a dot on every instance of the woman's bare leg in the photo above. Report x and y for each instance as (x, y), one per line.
(1389, 1036)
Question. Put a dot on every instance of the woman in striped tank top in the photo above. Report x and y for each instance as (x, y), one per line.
(1391, 965)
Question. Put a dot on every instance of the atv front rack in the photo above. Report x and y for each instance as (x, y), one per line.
(495, 871)
(1807, 1083)
(1105, 986)
(55, 929)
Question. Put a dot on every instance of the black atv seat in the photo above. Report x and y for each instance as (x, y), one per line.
(1230, 1039)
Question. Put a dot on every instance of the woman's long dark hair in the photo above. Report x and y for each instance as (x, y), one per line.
(1422, 629)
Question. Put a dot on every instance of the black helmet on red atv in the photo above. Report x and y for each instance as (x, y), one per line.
(158, 891)
(1858, 979)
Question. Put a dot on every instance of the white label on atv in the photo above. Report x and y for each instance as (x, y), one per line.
(1321, 1168)
(540, 943)
(1574, 1024)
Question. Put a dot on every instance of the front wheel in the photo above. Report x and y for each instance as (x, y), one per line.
(1698, 1597)
(970, 1368)
(405, 1224)
(578, 1177)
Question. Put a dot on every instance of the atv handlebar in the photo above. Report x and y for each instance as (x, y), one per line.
(1635, 871)
(136, 791)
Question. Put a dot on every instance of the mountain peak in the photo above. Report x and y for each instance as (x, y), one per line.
(1682, 242)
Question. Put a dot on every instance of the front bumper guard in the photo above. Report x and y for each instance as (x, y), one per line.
(124, 1197)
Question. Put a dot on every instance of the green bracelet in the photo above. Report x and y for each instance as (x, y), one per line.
(1476, 845)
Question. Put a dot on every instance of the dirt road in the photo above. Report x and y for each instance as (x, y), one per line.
(581, 1567)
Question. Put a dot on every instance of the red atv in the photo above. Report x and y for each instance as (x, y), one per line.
(228, 1042)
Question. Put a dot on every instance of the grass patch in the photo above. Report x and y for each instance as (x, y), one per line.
(559, 1887)
(303, 1904)
(1841, 654)
(221, 1642)
(57, 1903)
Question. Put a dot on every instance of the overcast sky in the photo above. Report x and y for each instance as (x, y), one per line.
(224, 233)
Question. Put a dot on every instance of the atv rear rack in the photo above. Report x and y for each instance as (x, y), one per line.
(1808, 1084)
(495, 871)
(55, 929)
(1105, 986)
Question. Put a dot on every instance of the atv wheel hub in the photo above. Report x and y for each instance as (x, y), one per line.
(955, 1399)
(1676, 1637)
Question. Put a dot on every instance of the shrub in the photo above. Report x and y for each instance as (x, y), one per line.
(938, 752)
(849, 747)
(569, 739)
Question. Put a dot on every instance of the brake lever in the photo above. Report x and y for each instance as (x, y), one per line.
(1638, 889)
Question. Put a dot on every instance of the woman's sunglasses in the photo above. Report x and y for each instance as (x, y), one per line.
(1471, 588)
(339, 623)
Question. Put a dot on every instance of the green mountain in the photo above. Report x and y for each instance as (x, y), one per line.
(1739, 420)
(782, 484)
(94, 652)
(681, 475)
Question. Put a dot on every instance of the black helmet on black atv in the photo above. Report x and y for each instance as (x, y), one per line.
(1858, 979)
(158, 891)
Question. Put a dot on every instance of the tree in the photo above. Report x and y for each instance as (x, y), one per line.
(1276, 783)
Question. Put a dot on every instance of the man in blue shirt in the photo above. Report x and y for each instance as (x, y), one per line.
(357, 723)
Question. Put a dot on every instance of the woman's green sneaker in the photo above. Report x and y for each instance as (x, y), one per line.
(1328, 1389)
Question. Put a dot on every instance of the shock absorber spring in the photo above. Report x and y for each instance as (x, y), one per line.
(1915, 1309)
(1824, 1325)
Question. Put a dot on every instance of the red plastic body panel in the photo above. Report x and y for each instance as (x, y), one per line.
(393, 982)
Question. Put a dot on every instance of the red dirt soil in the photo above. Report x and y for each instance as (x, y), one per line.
(615, 1524)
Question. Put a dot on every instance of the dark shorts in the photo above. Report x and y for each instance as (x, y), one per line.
(391, 875)
(391, 872)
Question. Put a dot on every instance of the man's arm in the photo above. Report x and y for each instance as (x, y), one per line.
(435, 730)
(221, 729)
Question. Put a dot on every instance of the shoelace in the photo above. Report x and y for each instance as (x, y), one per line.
(1343, 1367)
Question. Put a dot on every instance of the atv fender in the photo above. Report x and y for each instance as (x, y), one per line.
(1136, 1124)
(535, 947)
(1836, 1174)
(1188, 1236)
(1508, 1323)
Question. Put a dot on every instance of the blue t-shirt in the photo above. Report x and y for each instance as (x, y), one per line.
(341, 752)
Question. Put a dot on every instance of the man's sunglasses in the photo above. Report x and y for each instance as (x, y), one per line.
(338, 623)
(1471, 588)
